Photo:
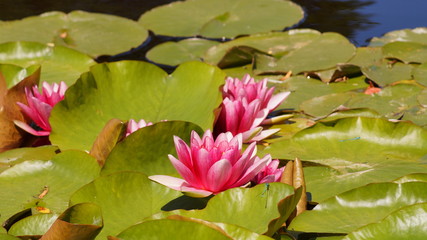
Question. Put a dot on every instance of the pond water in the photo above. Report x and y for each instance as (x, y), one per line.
(358, 20)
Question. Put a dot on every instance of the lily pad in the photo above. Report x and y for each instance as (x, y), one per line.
(175, 53)
(418, 35)
(47, 184)
(137, 90)
(323, 52)
(221, 18)
(18, 155)
(353, 152)
(172, 229)
(33, 225)
(385, 73)
(92, 33)
(366, 56)
(408, 52)
(274, 43)
(405, 223)
(14, 74)
(361, 206)
(57, 63)
(420, 74)
(262, 209)
(125, 199)
(146, 150)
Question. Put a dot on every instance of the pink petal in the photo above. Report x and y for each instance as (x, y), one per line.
(250, 134)
(179, 185)
(31, 130)
(218, 175)
(185, 172)
(265, 134)
(183, 151)
(252, 171)
(277, 99)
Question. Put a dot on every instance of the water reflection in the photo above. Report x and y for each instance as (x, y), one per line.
(342, 16)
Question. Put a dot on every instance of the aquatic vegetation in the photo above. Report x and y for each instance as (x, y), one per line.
(348, 122)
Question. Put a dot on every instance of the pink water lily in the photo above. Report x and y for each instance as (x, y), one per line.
(39, 107)
(210, 166)
(245, 107)
(133, 126)
(270, 173)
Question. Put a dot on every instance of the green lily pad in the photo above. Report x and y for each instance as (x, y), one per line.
(418, 35)
(420, 74)
(361, 206)
(385, 73)
(172, 229)
(353, 152)
(274, 43)
(221, 18)
(33, 225)
(415, 177)
(5, 236)
(408, 52)
(137, 90)
(323, 52)
(48, 184)
(18, 155)
(125, 199)
(304, 88)
(406, 223)
(81, 221)
(147, 149)
(367, 56)
(14, 74)
(422, 98)
(262, 209)
(175, 53)
(92, 33)
(391, 102)
(57, 63)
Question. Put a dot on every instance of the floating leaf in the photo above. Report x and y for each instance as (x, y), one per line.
(171, 229)
(47, 184)
(92, 33)
(147, 149)
(57, 63)
(175, 53)
(351, 210)
(221, 18)
(14, 74)
(321, 53)
(125, 199)
(33, 225)
(405, 223)
(418, 35)
(274, 43)
(263, 208)
(353, 152)
(407, 52)
(79, 222)
(137, 90)
(18, 155)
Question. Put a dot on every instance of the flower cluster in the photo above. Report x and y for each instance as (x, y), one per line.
(39, 107)
(210, 166)
(245, 107)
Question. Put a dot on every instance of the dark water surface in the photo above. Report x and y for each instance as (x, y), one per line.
(358, 20)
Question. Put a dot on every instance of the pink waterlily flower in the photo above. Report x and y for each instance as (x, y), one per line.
(245, 107)
(39, 107)
(210, 166)
(133, 126)
(270, 173)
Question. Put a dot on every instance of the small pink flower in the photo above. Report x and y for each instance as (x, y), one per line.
(39, 107)
(245, 107)
(133, 126)
(210, 166)
(270, 173)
